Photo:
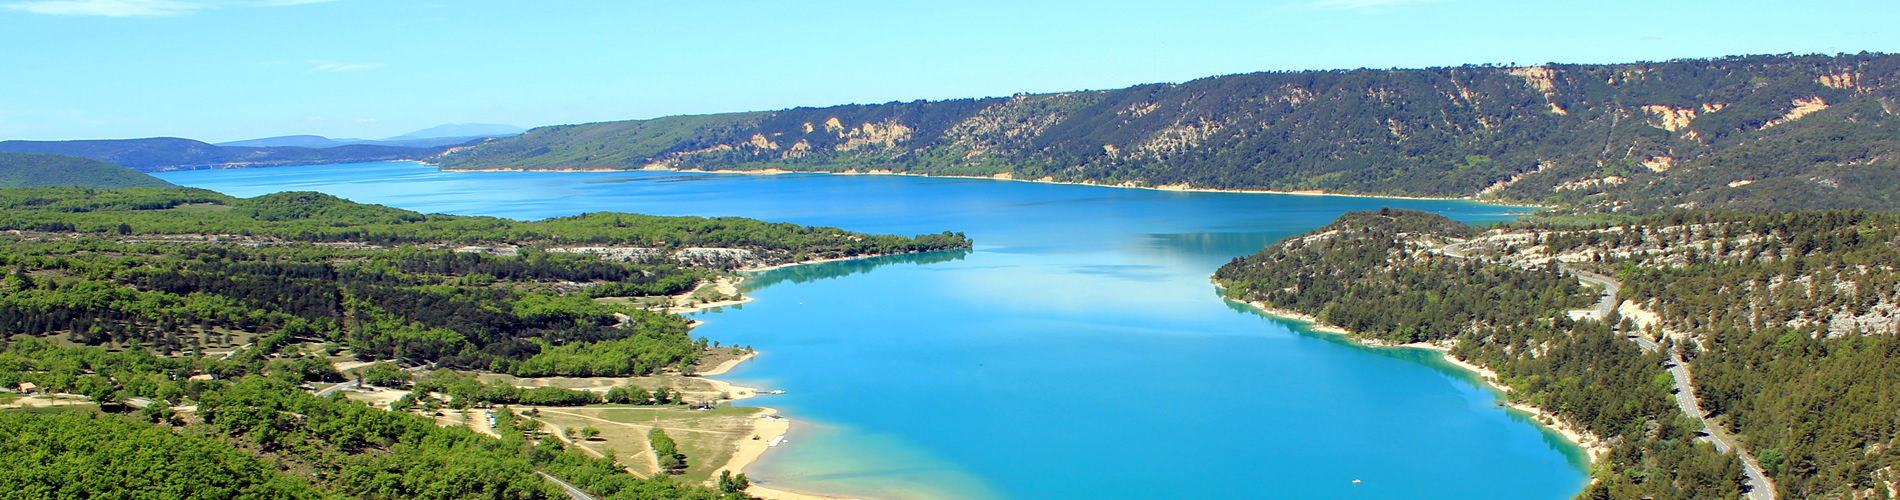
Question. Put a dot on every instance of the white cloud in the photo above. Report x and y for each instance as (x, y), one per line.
(322, 66)
(112, 8)
(138, 8)
(1367, 5)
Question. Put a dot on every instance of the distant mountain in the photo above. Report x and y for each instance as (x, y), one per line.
(317, 141)
(40, 170)
(431, 142)
(462, 130)
(171, 153)
(441, 135)
(307, 141)
(1756, 132)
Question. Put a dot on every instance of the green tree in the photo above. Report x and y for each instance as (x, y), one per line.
(386, 375)
(666, 452)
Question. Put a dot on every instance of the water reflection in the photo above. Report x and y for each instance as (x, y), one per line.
(841, 268)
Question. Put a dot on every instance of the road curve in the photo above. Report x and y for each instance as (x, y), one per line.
(1758, 486)
(327, 391)
(572, 492)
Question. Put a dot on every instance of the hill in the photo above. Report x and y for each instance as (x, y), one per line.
(38, 170)
(462, 130)
(1780, 328)
(430, 137)
(1386, 278)
(200, 326)
(1779, 131)
(169, 153)
(301, 141)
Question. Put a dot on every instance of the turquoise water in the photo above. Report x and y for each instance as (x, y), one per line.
(1077, 352)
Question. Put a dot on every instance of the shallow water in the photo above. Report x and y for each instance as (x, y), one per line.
(1077, 352)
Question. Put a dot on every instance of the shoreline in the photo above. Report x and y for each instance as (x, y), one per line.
(727, 365)
(750, 270)
(766, 429)
(1184, 187)
(1591, 445)
(727, 286)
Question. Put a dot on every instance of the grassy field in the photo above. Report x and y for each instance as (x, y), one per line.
(201, 207)
(704, 293)
(708, 438)
(694, 388)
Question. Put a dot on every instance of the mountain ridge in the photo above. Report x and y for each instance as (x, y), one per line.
(1774, 132)
(461, 130)
(439, 135)
(321, 142)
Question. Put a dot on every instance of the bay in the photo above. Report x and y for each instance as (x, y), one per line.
(1078, 351)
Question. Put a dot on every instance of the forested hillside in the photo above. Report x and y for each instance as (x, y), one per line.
(180, 271)
(213, 316)
(1787, 321)
(1372, 273)
(38, 170)
(169, 153)
(1757, 131)
(1378, 275)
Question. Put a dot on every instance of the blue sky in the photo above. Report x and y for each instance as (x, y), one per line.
(223, 70)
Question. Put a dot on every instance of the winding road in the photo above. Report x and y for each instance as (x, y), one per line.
(327, 391)
(572, 492)
(1759, 488)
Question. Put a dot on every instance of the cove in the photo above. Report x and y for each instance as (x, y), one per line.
(1077, 352)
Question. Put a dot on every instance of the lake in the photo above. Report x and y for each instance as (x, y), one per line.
(1078, 351)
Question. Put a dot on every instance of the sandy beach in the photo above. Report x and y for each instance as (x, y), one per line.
(764, 430)
(772, 494)
(729, 287)
(1291, 315)
(727, 365)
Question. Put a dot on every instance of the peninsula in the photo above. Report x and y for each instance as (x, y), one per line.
(227, 334)
(1757, 306)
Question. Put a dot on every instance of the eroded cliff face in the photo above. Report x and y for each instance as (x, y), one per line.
(1597, 136)
(1008, 125)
